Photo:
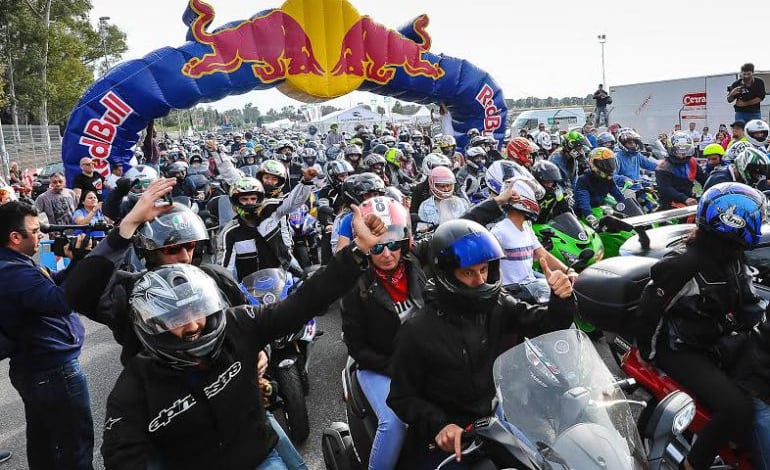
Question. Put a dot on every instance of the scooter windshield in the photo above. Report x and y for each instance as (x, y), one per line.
(559, 393)
(568, 224)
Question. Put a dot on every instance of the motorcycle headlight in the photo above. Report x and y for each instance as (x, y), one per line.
(683, 419)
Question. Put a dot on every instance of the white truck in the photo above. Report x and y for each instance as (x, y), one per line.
(655, 107)
(553, 118)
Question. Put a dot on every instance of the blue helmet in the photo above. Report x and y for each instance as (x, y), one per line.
(733, 211)
(605, 139)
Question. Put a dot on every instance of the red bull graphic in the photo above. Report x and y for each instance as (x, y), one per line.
(311, 50)
(275, 44)
(373, 51)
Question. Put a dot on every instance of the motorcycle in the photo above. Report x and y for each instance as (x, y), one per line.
(566, 238)
(290, 355)
(608, 295)
(577, 416)
(643, 192)
(304, 229)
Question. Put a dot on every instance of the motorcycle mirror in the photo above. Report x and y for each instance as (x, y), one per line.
(547, 233)
(586, 254)
(669, 419)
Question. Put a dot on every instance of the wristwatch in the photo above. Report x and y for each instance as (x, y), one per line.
(358, 255)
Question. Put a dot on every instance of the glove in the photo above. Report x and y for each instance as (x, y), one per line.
(592, 221)
(123, 186)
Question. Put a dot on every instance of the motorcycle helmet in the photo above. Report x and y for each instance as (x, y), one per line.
(375, 163)
(476, 158)
(170, 297)
(398, 225)
(447, 145)
(526, 202)
(479, 141)
(333, 152)
(573, 140)
(606, 140)
(177, 170)
(545, 171)
(404, 136)
(433, 160)
(734, 212)
(501, 171)
(272, 167)
(629, 141)
(309, 156)
(243, 187)
(396, 156)
(603, 163)
(357, 188)
(380, 149)
(752, 165)
(337, 171)
(756, 132)
(388, 140)
(406, 148)
(417, 138)
(356, 141)
(353, 154)
(682, 147)
(140, 176)
(177, 226)
(247, 157)
(519, 150)
(461, 243)
(736, 149)
(442, 176)
(473, 132)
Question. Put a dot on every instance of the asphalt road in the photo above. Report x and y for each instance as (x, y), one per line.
(100, 360)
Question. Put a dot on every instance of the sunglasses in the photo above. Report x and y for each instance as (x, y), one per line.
(394, 245)
(175, 249)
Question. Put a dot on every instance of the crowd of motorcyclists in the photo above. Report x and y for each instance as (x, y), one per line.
(425, 244)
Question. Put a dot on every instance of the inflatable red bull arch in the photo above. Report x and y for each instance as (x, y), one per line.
(312, 50)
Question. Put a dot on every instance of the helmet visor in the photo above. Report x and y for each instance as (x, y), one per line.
(472, 249)
(266, 285)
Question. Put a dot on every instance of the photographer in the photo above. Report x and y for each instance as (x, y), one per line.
(747, 93)
(47, 337)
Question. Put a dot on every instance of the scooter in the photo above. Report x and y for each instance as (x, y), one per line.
(290, 355)
(577, 415)
(608, 295)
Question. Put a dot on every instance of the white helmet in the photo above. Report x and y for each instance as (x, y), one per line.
(432, 160)
(757, 131)
(141, 176)
(736, 149)
(526, 201)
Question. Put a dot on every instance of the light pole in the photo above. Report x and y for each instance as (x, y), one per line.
(103, 33)
(603, 40)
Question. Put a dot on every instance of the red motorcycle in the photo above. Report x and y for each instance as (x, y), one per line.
(608, 295)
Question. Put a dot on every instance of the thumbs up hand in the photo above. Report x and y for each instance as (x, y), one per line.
(558, 281)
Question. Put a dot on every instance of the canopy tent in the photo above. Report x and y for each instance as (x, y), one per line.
(348, 119)
(279, 124)
(420, 118)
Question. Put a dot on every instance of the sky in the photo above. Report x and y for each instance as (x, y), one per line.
(530, 48)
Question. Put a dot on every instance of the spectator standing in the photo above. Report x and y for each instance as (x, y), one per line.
(602, 99)
(722, 138)
(695, 136)
(334, 137)
(58, 203)
(15, 174)
(543, 140)
(706, 139)
(747, 92)
(89, 213)
(738, 133)
(48, 337)
(88, 180)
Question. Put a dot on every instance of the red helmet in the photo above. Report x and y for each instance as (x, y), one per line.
(394, 215)
(518, 150)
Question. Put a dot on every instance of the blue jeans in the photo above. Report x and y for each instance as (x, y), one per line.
(273, 461)
(57, 407)
(746, 117)
(285, 448)
(391, 431)
(761, 435)
(599, 112)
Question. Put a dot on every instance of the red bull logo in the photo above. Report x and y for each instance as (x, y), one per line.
(349, 48)
(372, 51)
(99, 134)
(274, 44)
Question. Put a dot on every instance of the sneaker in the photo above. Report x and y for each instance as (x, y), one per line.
(5, 455)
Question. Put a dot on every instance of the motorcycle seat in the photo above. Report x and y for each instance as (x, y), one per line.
(662, 240)
(608, 292)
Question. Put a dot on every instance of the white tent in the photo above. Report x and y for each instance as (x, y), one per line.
(279, 124)
(348, 119)
(421, 117)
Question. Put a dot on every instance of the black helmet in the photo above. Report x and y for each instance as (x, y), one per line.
(176, 226)
(404, 136)
(172, 296)
(380, 149)
(177, 170)
(546, 171)
(357, 187)
(462, 243)
(374, 162)
(334, 169)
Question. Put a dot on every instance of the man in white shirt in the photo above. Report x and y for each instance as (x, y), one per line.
(543, 140)
(695, 134)
(706, 138)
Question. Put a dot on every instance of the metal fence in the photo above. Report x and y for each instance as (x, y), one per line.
(30, 146)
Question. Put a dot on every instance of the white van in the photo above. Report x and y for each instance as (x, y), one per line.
(560, 118)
